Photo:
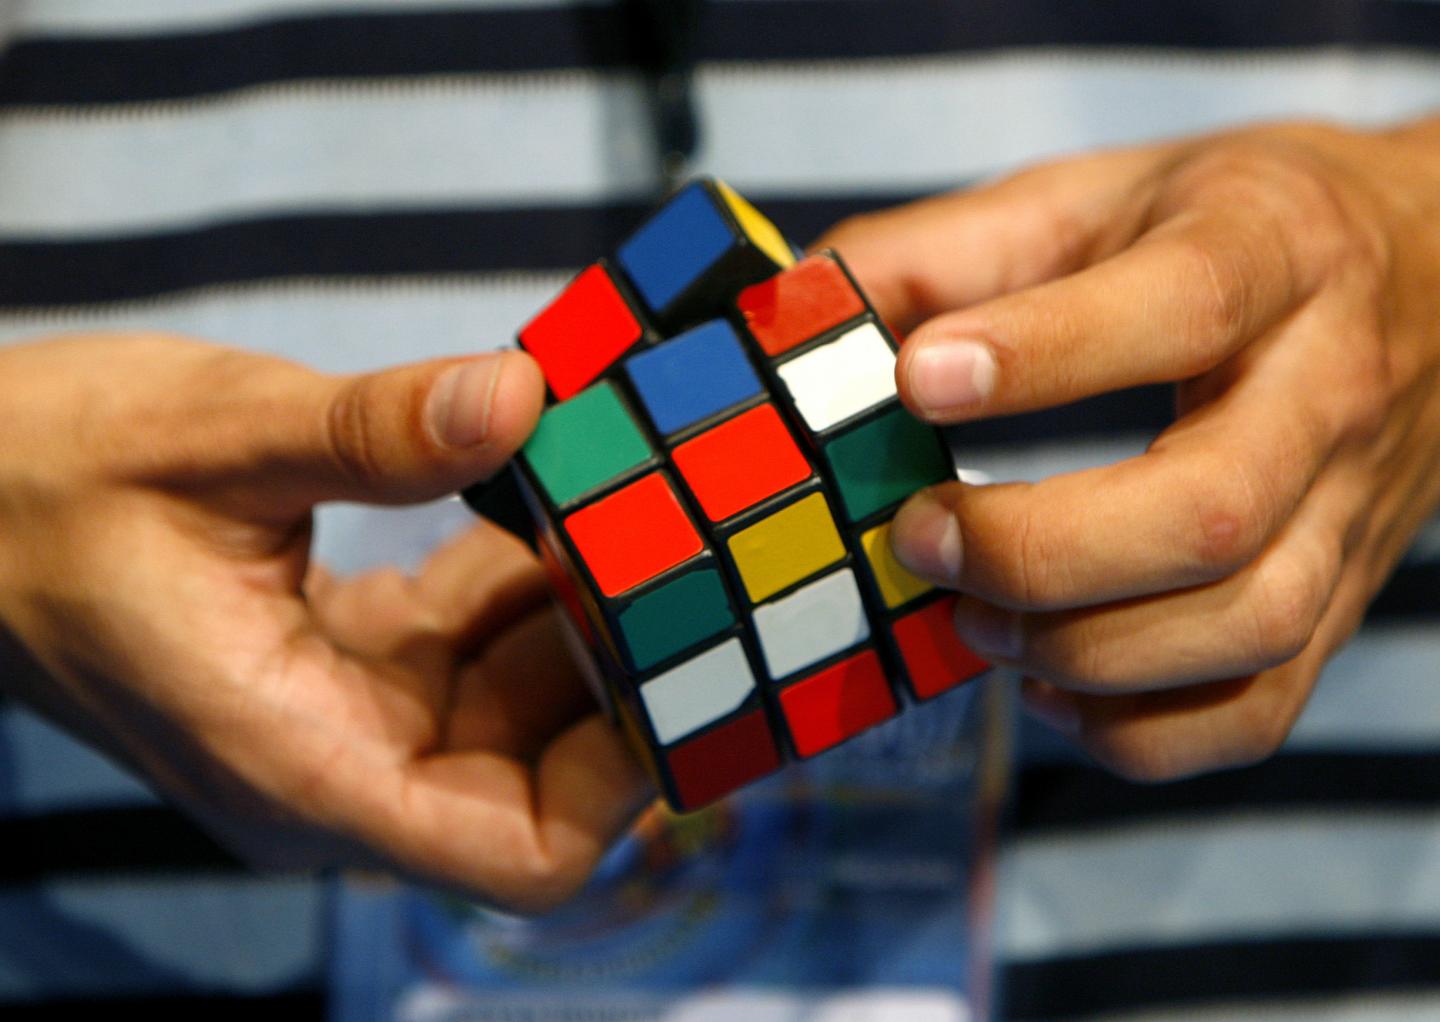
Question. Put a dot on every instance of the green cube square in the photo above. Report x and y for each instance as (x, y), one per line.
(675, 616)
(885, 460)
(584, 442)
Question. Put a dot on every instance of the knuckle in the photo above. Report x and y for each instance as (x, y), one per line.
(1220, 310)
(1281, 181)
(540, 884)
(1361, 407)
(1229, 526)
(1289, 598)
(1290, 196)
(1137, 755)
(1259, 736)
(350, 435)
(1266, 718)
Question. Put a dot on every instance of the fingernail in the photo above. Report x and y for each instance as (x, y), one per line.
(925, 538)
(460, 402)
(989, 631)
(951, 375)
(1051, 707)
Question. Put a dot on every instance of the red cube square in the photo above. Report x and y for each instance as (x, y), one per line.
(741, 462)
(634, 534)
(581, 333)
(934, 656)
(719, 761)
(811, 297)
(837, 703)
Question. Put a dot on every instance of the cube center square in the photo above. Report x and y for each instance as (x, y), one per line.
(811, 298)
(786, 547)
(816, 621)
(583, 443)
(674, 616)
(742, 461)
(694, 376)
(582, 333)
(713, 482)
(633, 535)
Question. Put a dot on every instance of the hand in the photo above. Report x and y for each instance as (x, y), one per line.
(155, 510)
(1172, 611)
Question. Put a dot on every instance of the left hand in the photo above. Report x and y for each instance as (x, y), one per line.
(1173, 611)
(155, 572)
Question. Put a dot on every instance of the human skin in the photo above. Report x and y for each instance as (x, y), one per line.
(1171, 612)
(160, 602)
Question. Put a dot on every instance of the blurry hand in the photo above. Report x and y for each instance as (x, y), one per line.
(155, 517)
(1172, 611)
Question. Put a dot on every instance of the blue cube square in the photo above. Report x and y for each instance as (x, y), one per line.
(694, 376)
(676, 247)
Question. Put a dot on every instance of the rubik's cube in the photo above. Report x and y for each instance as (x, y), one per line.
(713, 481)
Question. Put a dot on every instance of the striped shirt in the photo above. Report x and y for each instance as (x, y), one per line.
(354, 183)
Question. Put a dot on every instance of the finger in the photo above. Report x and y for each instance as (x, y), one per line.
(489, 825)
(1159, 736)
(1261, 617)
(376, 615)
(401, 435)
(1178, 302)
(521, 693)
(1205, 499)
(480, 582)
(925, 258)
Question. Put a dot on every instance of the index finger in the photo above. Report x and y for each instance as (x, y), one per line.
(1182, 299)
(928, 257)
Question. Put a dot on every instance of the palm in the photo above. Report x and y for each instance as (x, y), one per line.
(440, 715)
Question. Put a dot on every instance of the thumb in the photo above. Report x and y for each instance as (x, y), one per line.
(408, 434)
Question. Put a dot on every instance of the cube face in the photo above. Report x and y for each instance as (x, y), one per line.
(935, 658)
(815, 622)
(673, 617)
(716, 763)
(884, 460)
(837, 703)
(842, 378)
(896, 585)
(713, 483)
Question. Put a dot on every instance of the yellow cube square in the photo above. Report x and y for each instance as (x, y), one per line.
(897, 585)
(781, 549)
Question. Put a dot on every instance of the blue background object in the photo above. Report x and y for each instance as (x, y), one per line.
(675, 247)
(695, 375)
(842, 874)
